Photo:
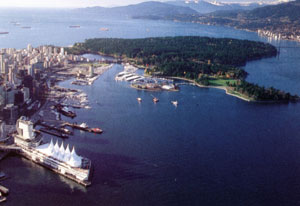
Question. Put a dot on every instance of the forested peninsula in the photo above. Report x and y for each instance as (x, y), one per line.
(206, 61)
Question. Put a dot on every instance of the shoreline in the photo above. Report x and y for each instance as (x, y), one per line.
(243, 29)
(154, 90)
(228, 92)
(213, 87)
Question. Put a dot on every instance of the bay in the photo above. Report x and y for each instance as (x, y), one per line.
(213, 149)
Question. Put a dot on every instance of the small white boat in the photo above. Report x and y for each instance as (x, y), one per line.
(175, 103)
(139, 99)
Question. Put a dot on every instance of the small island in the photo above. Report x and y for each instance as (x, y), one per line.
(207, 62)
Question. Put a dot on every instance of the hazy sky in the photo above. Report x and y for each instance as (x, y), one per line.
(81, 3)
(65, 3)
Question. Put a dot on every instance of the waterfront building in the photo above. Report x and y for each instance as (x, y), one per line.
(53, 156)
(62, 51)
(1, 61)
(2, 97)
(29, 48)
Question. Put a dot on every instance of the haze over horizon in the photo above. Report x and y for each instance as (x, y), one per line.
(90, 3)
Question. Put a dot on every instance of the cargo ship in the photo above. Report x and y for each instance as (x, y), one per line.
(55, 157)
(4, 32)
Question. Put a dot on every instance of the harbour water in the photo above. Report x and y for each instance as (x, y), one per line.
(213, 149)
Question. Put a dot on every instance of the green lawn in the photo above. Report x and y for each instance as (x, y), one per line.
(221, 82)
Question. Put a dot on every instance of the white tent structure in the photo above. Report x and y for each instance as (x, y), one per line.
(61, 154)
(75, 160)
(67, 154)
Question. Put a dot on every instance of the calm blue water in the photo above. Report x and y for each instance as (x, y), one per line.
(212, 149)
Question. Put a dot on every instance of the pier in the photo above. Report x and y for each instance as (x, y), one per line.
(53, 133)
(58, 129)
(83, 127)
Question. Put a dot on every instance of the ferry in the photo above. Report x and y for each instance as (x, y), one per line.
(55, 157)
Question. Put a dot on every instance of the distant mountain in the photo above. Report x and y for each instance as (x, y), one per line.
(149, 9)
(289, 11)
(204, 7)
(279, 21)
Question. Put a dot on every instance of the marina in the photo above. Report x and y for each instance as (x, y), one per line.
(144, 83)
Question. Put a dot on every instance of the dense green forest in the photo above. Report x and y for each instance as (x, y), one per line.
(196, 58)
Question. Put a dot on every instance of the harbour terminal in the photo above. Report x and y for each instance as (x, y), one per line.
(32, 103)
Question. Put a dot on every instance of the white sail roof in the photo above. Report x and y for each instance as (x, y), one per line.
(61, 153)
(75, 160)
(56, 147)
(50, 148)
(67, 154)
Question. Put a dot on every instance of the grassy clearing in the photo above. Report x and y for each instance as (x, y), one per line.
(221, 82)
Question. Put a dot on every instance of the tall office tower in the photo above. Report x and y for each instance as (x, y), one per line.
(50, 50)
(29, 48)
(45, 50)
(2, 96)
(11, 74)
(1, 61)
(30, 70)
(4, 67)
(62, 51)
(55, 51)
